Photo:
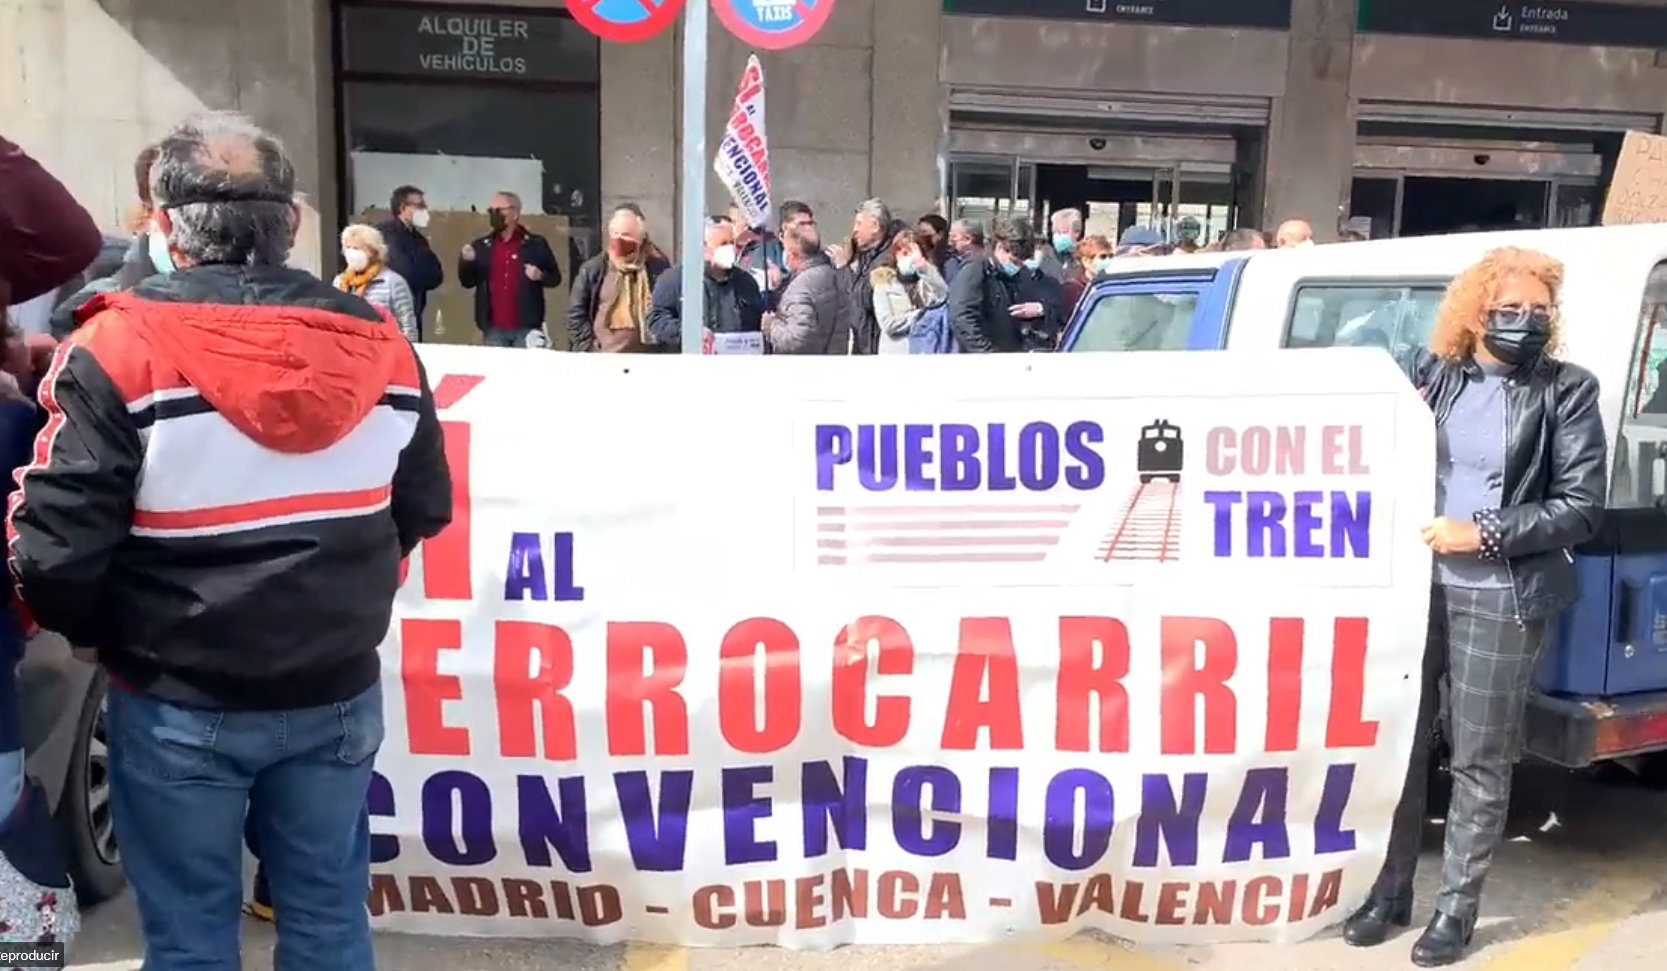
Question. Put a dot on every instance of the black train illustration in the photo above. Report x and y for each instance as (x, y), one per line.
(1160, 452)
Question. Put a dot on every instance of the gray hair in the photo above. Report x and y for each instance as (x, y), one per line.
(229, 190)
(1072, 219)
(367, 238)
(878, 211)
(514, 199)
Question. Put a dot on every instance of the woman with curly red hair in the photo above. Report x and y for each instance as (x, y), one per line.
(1519, 482)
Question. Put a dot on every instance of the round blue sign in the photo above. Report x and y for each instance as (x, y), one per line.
(773, 25)
(624, 20)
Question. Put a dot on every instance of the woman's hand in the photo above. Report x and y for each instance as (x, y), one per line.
(1451, 536)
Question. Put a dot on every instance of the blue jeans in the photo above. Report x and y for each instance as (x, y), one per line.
(184, 781)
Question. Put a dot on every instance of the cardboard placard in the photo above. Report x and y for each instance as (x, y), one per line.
(450, 318)
(1638, 190)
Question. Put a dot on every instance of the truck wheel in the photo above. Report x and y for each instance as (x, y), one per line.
(84, 812)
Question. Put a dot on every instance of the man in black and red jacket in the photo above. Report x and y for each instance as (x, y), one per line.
(236, 458)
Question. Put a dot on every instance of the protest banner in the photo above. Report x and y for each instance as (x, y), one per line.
(955, 650)
(743, 159)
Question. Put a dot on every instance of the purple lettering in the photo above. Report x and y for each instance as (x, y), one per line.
(1001, 825)
(1059, 826)
(1264, 524)
(833, 449)
(1163, 821)
(1259, 817)
(1224, 503)
(1351, 525)
(1329, 834)
(743, 808)
(830, 803)
(543, 824)
(525, 573)
(917, 458)
(910, 825)
(659, 838)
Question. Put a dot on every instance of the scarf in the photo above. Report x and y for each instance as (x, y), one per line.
(625, 298)
(358, 283)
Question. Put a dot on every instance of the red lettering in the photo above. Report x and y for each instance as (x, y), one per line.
(634, 692)
(1346, 724)
(526, 694)
(1256, 910)
(1284, 684)
(714, 907)
(447, 569)
(894, 655)
(426, 689)
(738, 702)
(985, 653)
(1083, 676)
(1186, 682)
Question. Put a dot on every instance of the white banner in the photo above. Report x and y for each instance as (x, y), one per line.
(822, 651)
(743, 161)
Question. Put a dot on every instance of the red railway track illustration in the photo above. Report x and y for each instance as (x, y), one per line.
(1149, 529)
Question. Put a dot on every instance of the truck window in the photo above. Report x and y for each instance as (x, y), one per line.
(1138, 322)
(1341, 314)
(1640, 475)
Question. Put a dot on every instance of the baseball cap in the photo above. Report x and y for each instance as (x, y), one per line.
(1138, 238)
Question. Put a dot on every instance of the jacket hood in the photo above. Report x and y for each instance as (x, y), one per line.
(293, 378)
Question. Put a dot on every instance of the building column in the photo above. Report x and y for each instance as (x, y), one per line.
(908, 118)
(1310, 155)
(640, 146)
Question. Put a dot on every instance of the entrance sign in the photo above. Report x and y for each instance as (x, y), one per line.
(1001, 646)
(627, 21)
(773, 25)
(1638, 191)
(1597, 23)
(435, 42)
(1273, 14)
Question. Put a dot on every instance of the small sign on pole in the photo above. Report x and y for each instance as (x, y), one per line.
(774, 25)
(1638, 190)
(626, 21)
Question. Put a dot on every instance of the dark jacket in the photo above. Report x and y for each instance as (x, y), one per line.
(476, 275)
(734, 304)
(411, 257)
(136, 267)
(587, 286)
(978, 300)
(46, 238)
(756, 252)
(1555, 481)
(1036, 286)
(220, 515)
(19, 421)
(859, 292)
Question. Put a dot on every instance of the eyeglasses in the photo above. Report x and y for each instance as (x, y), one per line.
(1537, 312)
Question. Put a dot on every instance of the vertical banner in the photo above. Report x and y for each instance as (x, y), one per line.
(743, 161)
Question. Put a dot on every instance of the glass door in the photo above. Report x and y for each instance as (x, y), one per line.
(991, 188)
(1375, 201)
(1574, 203)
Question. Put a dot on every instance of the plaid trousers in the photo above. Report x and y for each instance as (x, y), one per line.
(1478, 669)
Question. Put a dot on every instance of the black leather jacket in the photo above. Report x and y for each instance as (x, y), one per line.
(1555, 472)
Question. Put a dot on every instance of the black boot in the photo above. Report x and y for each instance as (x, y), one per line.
(1372, 924)
(1443, 942)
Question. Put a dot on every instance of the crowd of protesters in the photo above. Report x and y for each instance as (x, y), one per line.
(179, 489)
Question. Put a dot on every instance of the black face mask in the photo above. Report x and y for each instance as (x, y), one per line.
(1516, 336)
(497, 219)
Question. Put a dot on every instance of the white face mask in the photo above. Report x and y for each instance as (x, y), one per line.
(724, 257)
(357, 259)
(419, 218)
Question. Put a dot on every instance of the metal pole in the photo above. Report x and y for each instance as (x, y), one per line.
(694, 174)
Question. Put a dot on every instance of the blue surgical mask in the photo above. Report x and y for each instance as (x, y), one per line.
(906, 266)
(156, 246)
(1102, 264)
(1034, 263)
(1008, 267)
(1063, 243)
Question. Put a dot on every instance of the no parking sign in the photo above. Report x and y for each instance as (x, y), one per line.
(774, 25)
(624, 20)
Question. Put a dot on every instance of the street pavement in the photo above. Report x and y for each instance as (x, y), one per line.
(1581, 886)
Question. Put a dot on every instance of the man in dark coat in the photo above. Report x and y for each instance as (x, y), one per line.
(409, 254)
(509, 269)
(734, 304)
(613, 290)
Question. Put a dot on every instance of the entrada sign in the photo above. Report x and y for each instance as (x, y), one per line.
(1603, 24)
(1274, 14)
